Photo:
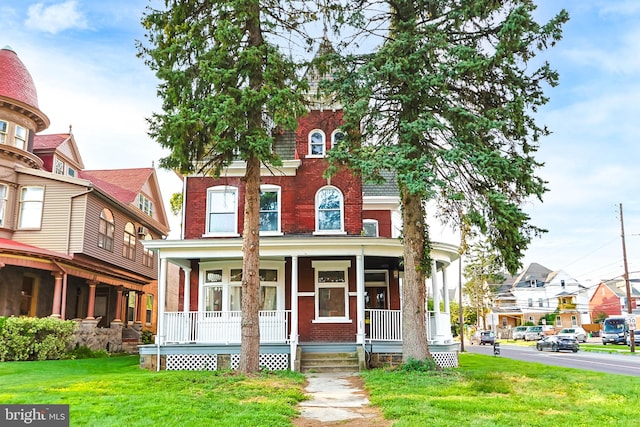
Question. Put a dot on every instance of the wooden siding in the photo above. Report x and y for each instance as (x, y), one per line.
(121, 217)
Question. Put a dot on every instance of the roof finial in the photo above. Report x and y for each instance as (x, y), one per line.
(70, 132)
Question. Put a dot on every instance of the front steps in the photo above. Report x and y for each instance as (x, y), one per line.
(311, 362)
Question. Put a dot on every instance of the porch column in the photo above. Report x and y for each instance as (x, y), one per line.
(57, 294)
(445, 290)
(162, 297)
(293, 338)
(92, 300)
(435, 335)
(140, 304)
(360, 299)
(186, 303)
(118, 305)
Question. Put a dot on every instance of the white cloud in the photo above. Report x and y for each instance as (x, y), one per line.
(55, 18)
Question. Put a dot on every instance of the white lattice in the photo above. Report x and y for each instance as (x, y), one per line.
(192, 362)
(447, 359)
(272, 361)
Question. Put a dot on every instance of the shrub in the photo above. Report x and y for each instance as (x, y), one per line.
(84, 352)
(413, 365)
(146, 337)
(32, 338)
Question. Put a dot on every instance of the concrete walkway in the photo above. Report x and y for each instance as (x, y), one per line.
(337, 398)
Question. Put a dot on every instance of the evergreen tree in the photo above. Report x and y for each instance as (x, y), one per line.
(447, 101)
(226, 88)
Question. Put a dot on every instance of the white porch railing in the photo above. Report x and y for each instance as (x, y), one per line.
(386, 325)
(223, 327)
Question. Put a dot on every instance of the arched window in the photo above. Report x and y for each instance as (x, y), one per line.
(329, 210)
(316, 143)
(336, 137)
(147, 255)
(222, 210)
(129, 242)
(105, 230)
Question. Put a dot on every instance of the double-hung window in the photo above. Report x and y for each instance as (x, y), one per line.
(329, 210)
(129, 242)
(316, 143)
(21, 137)
(3, 131)
(332, 290)
(106, 230)
(222, 210)
(31, 206)
(269, 209)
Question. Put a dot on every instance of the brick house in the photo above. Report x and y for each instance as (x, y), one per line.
(610, 299)
(70, 238)
(331, 268)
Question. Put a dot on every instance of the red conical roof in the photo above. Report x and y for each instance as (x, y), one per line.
(15, 80)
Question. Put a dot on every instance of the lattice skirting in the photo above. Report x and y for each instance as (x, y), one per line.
(448, 359)
(209, 362)
(192, 362)
(272, 362)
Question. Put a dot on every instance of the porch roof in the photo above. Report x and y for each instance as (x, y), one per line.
(286, 246)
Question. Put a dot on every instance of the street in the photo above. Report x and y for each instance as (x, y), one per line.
(625, 364)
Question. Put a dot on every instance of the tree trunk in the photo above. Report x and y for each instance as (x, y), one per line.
(250, 345)
(415, 344)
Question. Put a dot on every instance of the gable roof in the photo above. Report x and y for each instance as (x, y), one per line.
(63, 144)
(121, 184)
(535, 272)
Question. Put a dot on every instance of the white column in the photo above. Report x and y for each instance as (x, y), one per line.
(360, 299)
(186, 305)
(436, 303)
(162, 298)
(293, 339)
(445, 290)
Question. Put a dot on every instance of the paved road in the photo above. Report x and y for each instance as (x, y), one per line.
(602, 362)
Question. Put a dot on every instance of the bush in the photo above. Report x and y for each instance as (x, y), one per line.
(32, 338)
(413, 365)
(146, 337)
(84, 352)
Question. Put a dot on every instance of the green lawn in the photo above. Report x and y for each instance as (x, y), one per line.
(495, 391)
(484, 391)
(116, 392)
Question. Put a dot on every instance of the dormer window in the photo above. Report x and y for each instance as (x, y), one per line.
(21, 137)
(59, 167)
(3, 131)
(316, 143)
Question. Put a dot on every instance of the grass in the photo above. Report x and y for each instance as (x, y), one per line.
(494, 391)
(116, 392)
(484, 391)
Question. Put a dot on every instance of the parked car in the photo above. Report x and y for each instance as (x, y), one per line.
(556, 343)
(577, 332)
(487, 337)
(536, 332)
(518, 332)
(636, 335)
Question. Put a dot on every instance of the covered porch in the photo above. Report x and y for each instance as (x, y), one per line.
(298, 316)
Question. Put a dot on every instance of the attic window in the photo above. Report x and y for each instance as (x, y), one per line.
(145, 205)
(59, 167)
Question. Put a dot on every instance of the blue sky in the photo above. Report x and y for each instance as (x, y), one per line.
(82, 56)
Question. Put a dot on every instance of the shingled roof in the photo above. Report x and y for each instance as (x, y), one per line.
(121, 184)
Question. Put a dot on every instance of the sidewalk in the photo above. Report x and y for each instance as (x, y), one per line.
(337, 399)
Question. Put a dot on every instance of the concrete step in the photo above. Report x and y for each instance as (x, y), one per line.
(329, 362)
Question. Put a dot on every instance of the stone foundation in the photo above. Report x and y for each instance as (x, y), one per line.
(108, 339)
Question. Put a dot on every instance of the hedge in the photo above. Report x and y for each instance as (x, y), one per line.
(33, 338)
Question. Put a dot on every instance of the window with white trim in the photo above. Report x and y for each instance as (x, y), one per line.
(558, 321)
(336, 137)
(71, 171)
(3, 131)
(331, 290)
(31, 206)
(316, 143)
(3, 202)
(222, 286)
(269, 209)
(574, 321)
(106, 230)
(145, 204)
(329, 210)
(370, 227)
(21, 137)
(58, 167)
(222, 210)
(147, 254)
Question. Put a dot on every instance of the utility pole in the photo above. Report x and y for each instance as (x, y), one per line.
(632, 321)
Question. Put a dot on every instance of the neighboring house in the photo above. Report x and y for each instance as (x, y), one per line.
(610, 299)
(330, 264)
(537, 292)
(70, 238)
